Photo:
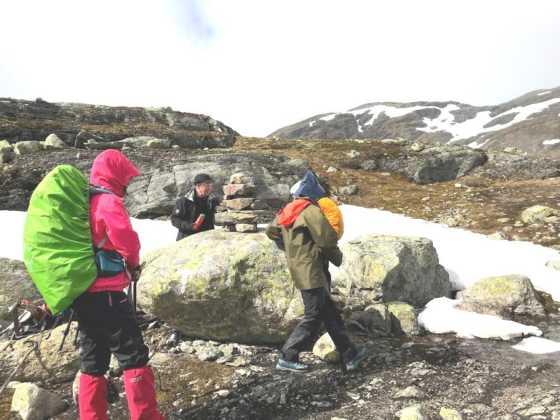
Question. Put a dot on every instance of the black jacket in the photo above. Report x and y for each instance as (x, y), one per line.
(187, 210)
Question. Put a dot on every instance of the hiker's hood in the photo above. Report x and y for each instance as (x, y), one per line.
(290, 213)
(308, 187)
(111, 169)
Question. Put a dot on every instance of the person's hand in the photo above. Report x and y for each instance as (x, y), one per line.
(198, 222)
(135, 274)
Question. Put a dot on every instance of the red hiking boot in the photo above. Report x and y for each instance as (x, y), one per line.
(141, 394)
(93, 397)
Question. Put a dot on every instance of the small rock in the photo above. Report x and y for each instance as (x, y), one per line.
(238, 362)
(325, 349)
(26, 147)
(239, 190)
(238, 203)
(538, 214)
(34, 403)
(417, 147)
(449, 414)
(241, 178)
(554, 264)
(222, 393)
(409, 392)
(246, 228)
(411, 413)
(209, 355)
(348, 190)
(54, 142)
(403, 319)
(353, 154)
(503, 220)
(331, 169)
(497, 236)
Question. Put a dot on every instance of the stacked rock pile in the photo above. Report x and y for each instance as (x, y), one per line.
(240, 203)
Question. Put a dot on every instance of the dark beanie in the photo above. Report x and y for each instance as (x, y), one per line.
(200, 178)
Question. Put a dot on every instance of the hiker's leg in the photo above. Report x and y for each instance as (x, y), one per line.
(94, 356)
(337, 330)
(128, 346)
(305, 332)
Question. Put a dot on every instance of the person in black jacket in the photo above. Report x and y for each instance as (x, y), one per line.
(195, 211)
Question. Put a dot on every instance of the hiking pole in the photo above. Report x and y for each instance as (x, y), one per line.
(134, 298)
(67, 330)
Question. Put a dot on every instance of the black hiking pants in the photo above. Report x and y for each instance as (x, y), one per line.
(319, 309)
(107, 325)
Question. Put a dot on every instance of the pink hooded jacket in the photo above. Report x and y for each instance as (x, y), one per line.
(108, 217)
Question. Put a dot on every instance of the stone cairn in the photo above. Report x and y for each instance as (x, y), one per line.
(240, 203)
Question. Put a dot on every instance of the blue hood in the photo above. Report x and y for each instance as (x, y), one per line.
(309, 187)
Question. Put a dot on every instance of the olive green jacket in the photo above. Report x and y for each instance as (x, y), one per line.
(308, 243)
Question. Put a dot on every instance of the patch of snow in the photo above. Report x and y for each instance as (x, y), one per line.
(551, 142)
(544, 93)
(441, 316)
(537, 345)
(328, 117)
(390, 111)
(475, 126)
(153, 234)
(467, 256)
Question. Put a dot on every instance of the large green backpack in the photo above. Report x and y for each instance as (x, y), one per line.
(58, 251)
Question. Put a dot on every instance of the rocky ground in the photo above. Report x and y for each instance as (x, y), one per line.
(206, 380)
(489, 199)
(481, 379)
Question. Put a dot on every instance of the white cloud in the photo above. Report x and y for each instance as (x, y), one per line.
(260, 65)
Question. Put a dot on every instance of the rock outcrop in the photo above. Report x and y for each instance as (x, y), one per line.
(76, 124)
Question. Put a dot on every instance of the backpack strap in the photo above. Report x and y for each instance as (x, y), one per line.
(93, 191)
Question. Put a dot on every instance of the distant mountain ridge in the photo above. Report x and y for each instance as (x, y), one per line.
(530, 123)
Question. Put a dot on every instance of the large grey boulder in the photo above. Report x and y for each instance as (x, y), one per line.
(443, 163)
(507, 296)
(15, 284)
(154, 194)
(223, 286)
(390, 268)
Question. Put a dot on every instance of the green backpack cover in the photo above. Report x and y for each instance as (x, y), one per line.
(58, 251)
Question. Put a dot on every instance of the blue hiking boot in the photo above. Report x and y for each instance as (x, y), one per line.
(353, 363)
(291, 366)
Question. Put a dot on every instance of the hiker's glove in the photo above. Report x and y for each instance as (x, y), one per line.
(198, 222)
(135, 274)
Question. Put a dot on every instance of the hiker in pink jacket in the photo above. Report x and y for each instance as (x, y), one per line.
(107, 322)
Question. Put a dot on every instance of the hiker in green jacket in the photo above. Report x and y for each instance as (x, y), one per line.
(308, 239)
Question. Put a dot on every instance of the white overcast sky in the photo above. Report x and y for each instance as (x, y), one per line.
(258, 65)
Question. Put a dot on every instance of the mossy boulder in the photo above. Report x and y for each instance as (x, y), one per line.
(404, 319)
(507, 296)
(539, 214)
(390, 268)
(223, 286)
